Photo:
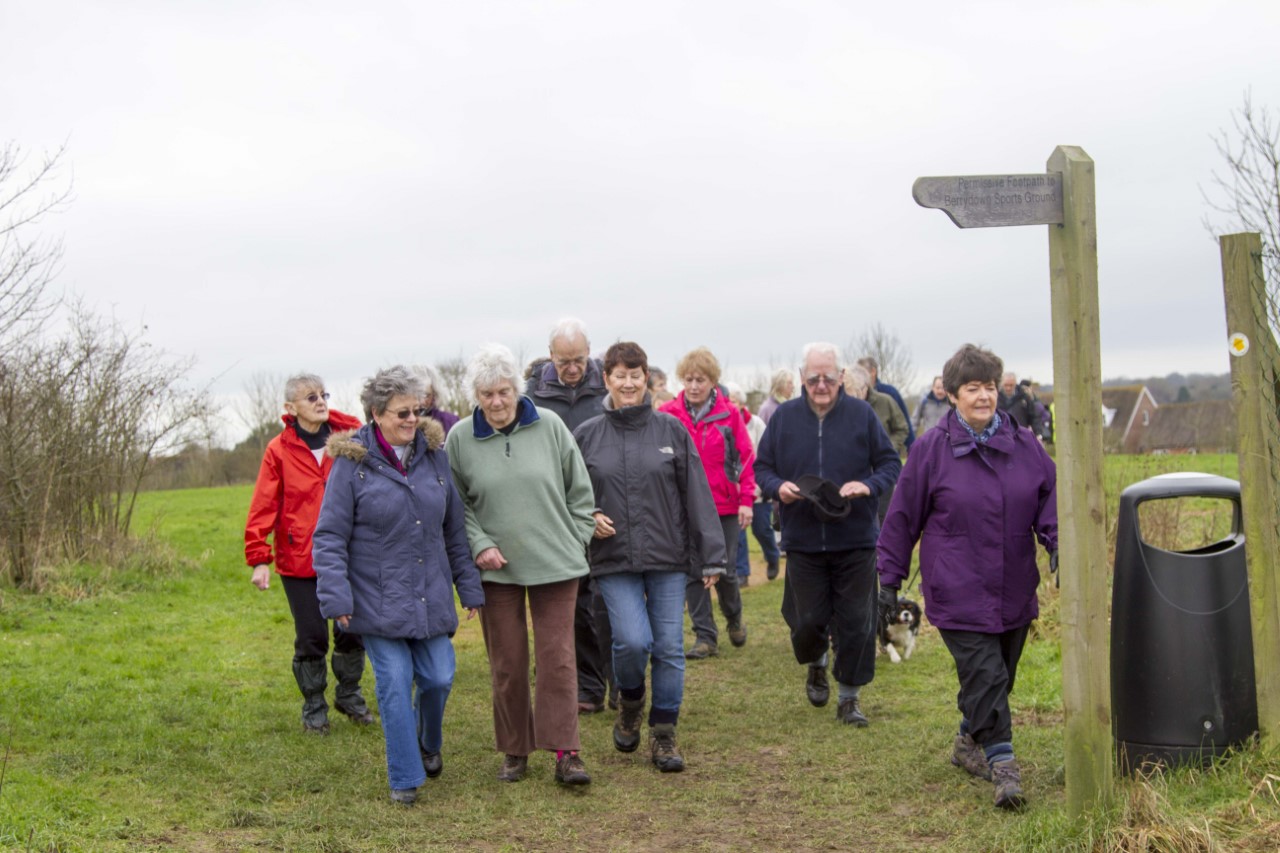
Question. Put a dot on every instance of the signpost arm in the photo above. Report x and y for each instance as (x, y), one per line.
(1077, 381)
(1255, 387)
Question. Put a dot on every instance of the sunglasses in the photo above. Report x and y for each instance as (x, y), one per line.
(313, 397)
(815, 381)
(405, 414)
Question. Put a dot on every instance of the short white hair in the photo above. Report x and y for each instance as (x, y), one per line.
(490, 367)
(735, 392)
(820, 348)
(569, 328)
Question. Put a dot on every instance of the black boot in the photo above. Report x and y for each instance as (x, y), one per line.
(347, 668)
(310, 675)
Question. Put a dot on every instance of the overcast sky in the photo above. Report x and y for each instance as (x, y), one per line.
(335, 187)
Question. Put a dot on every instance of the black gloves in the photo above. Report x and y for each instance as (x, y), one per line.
(1053, 567)
(888, 596)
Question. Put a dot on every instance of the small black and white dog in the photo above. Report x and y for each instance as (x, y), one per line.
(899, 627)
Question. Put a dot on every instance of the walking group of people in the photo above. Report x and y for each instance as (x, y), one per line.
(569, 504)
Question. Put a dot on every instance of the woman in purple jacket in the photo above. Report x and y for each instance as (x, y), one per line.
(976, 492)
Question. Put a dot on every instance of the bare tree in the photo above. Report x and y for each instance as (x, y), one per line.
(891, 354)
(259, 411)
(1247, 194)
(26, 265)
(453, 396)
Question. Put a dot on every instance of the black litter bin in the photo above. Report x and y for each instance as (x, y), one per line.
(1182, 687)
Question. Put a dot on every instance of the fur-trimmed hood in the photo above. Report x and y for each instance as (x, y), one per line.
(350, 444)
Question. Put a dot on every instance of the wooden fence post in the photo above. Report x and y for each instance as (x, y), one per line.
(1077, 394)
(1255, 392)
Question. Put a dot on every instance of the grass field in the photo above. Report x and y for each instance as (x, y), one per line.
(150, 706)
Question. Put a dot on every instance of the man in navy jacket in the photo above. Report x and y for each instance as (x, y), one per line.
(830, 586)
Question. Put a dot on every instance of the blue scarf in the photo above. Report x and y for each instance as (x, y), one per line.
(984, 436)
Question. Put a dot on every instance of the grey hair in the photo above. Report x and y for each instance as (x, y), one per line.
(869, 364)
(735, 392)
(491, 366)
(857, 381)
(295, 384)
(569, 328)
(779, 382)
(429, 376)
(386, 384)
(820, 348)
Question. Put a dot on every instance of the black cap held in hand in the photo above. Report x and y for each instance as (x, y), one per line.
(828, 503)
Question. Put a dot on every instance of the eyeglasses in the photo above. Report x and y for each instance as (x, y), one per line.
(405, 414)
(815, 381)
(580, 361)
(314, 397)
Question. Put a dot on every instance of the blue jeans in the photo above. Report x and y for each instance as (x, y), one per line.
(762, 529)
(646, 611)
(397, 665)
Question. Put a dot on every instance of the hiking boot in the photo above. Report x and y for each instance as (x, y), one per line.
(662, 746)
(744, 581)
(737, 632)
(849, 713)
(348, 667)
(513, 768)
(589, 706)
(1008, 780)
(432, 763)
(702, 649)
(771, 570)
(404, 796)
(626, 729)
(571, 771)
(816, 686)
(968, 755)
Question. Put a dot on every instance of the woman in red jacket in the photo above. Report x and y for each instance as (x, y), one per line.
(725, 448)
(285, 506)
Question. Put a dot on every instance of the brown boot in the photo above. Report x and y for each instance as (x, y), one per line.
(1008, 780)
(662, 746)
(969, 756)
(626, 730)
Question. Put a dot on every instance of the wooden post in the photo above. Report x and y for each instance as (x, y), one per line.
(1077, 396)
(1255, 387)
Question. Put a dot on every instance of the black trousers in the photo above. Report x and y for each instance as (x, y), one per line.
(833, 594)
(698, 597)
(590, 634)
(986, 665)
(310, 629)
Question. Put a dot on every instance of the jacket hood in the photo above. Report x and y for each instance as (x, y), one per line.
(353, 444)
(526, 414)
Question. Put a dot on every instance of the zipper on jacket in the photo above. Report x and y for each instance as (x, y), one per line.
(821, 473)
(508, 438)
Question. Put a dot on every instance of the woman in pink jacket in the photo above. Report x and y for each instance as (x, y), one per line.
(725, 449)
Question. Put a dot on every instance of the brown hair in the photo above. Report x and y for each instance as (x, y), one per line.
(701, 361)
(628, 354)
(971, 364)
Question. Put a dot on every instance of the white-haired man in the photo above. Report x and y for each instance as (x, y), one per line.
(829, 538)
(571, 384)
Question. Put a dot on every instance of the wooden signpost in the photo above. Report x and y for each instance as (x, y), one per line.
(1063, 198)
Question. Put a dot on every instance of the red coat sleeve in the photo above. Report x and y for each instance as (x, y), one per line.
(264, 509)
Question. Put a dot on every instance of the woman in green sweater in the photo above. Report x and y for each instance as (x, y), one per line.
(529, 503)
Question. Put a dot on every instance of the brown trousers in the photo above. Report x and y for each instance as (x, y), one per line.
(521, 725)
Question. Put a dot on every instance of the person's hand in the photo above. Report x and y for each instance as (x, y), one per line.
(472, 612)
(709, 581)
(888, 596)
(604, 526)
(789, 493)
(261, 576)
(1053, 567)
(855, 489)
(343, 621)
(490, 559)
(745, 514)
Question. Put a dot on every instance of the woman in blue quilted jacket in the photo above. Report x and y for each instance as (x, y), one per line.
(390, 548)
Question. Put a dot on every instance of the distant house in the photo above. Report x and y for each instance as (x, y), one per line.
(1127, 413)
(1208, 426)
